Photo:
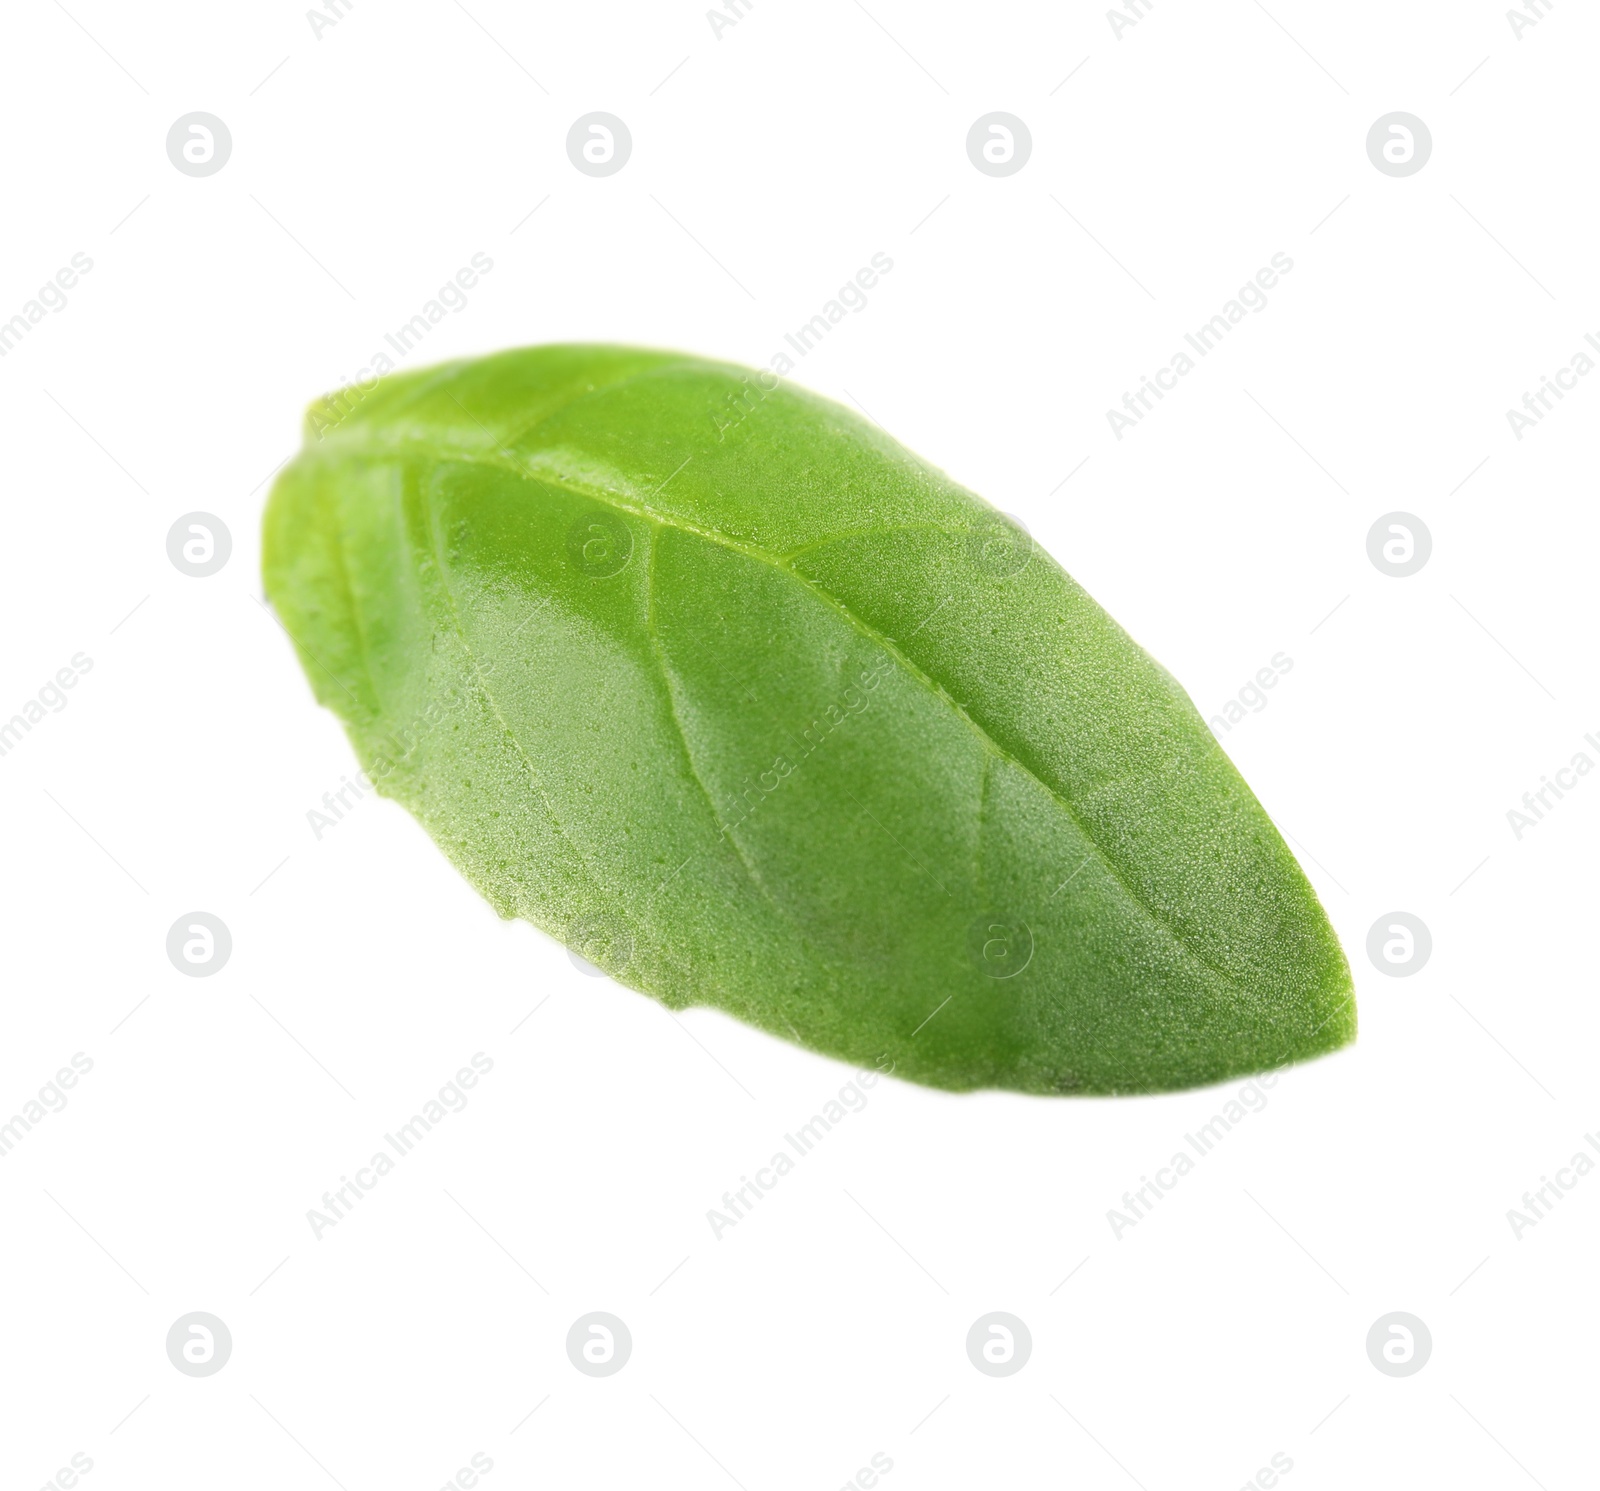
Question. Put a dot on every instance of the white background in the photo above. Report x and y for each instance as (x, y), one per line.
(1230, 525)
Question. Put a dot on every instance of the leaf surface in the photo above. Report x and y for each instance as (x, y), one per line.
(755, 709)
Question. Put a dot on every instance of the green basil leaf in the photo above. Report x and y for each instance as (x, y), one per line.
(751, 707)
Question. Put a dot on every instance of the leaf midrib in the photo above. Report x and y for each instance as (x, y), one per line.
(435, 450)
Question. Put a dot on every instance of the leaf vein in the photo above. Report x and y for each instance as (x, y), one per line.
(435, 450)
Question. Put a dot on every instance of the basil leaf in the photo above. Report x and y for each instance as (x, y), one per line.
(712, 680)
